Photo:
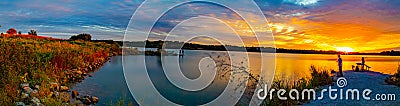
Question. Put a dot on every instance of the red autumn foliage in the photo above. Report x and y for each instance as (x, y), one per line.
(12, 31)
(31, 36)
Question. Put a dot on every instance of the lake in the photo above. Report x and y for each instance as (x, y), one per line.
(109, 85)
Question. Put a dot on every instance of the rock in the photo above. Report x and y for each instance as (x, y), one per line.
(66, 104)
(75, 94)
(56, 94)
(28, 90)
(24, 95)
(23, 85)
(94, 99)
(19, 104)
(38, 104)
(84, 74)
(35, 100)
(86, 101)
(35, 91)
(37, 87)
(64, 88)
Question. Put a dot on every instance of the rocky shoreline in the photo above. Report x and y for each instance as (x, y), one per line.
(30, 94)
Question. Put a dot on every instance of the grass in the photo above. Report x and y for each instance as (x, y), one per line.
(394, 79)
(319, 77)
(39, 61)
(122, 102)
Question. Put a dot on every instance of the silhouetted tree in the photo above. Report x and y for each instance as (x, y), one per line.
(32, 32)
(19, 32)
(12, 31)
(84, 36)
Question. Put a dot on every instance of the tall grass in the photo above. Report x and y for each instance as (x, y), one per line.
(41, 61)
(319, 77)
(395, 78)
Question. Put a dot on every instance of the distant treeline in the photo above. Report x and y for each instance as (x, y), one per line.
(193, 46)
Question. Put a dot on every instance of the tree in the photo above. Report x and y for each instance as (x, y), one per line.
(12, 31)
(32, 32)
(19, 32)
(84, 36)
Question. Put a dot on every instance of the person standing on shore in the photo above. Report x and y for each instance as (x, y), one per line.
(363, 63)
(339, 61)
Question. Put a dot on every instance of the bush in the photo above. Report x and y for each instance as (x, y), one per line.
(32, 32)
(84, 36)
(12, 31)
(394, 79)
(319, 77)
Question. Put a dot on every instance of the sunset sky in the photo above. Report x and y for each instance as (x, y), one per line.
(362, 25)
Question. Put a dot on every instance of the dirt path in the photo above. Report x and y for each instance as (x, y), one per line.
(361, 81)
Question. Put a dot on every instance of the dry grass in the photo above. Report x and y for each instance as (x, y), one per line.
(39, 61)
(319, 77)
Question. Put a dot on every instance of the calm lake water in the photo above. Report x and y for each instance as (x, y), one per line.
(109, 85)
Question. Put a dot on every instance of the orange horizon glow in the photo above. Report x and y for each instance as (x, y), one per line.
(344, 49)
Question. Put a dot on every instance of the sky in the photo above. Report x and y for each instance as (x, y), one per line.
(362, 25)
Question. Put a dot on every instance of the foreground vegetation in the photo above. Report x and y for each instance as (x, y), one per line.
(319, 78)
(394, 79)
(47, 65)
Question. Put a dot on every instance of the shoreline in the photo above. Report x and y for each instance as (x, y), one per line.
(40, 71)
(361, 81)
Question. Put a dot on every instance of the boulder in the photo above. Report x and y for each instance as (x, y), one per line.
(86, 101)
(75, 94)
(34, 93)
(84, 74)
(37, 87)
(19, 104)
(37, 104)
(23, 85)
(56, 94)
(35, 100)
(24, 95)
(94, 99)
(64, 88)
(27, 90)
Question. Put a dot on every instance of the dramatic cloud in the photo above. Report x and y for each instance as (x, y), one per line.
(366, 26)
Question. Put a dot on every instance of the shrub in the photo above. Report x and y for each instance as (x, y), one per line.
(319, 77)
(32, 32)
(12, 31)
(84, 36)
(394, 79)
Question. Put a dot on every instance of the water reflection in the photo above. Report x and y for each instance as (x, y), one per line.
(108, 83)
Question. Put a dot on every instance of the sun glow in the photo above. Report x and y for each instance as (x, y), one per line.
(344, 49)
